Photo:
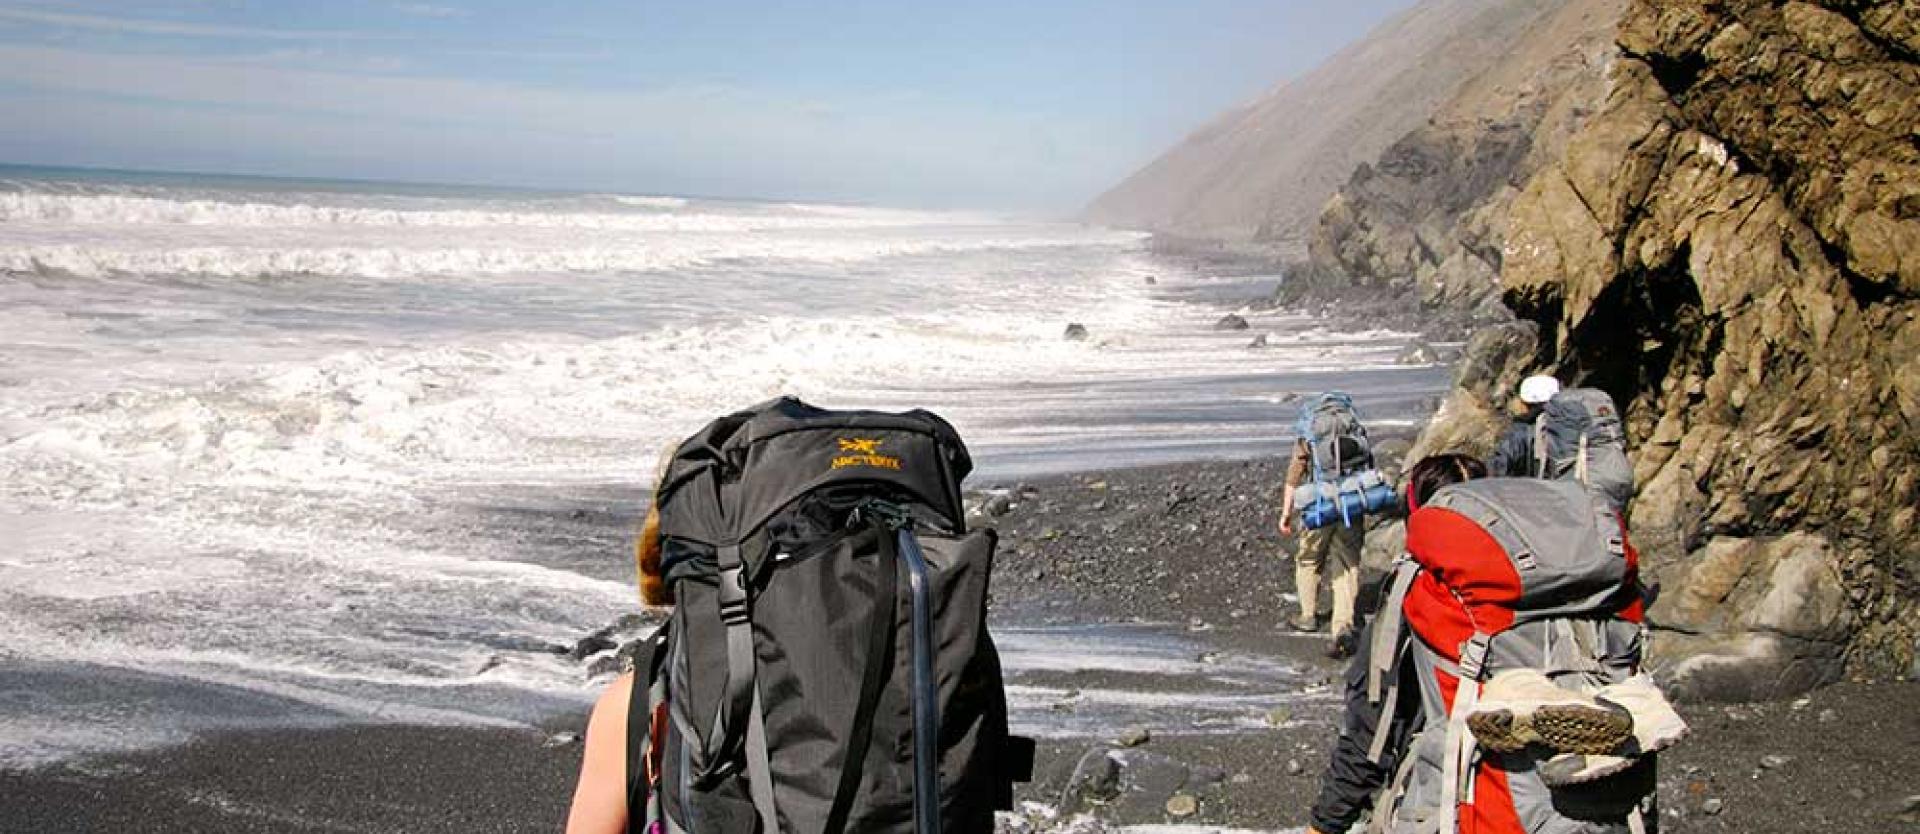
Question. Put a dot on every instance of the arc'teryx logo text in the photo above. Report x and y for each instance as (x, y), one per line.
(863, 451)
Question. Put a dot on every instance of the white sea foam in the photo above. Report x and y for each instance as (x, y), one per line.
(236, 252)
(296, 485)
(650, 202)
(134, 210)
(1223, 693)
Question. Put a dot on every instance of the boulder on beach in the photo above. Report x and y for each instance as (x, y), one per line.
(1131, 783)
(1231, 321)
(1076, 333)
(1418, 353)
(1754, 619)
(998, 504)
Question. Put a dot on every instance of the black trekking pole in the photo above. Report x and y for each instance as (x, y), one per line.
(926, 711)
(925, 688)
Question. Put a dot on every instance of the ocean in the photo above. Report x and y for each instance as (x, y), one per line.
(295, 438)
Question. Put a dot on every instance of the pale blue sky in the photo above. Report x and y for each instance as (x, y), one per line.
(989, 104)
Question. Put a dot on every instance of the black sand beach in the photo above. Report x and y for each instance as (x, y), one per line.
(1191, 545)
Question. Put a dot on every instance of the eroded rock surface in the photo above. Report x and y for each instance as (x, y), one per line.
(1731, 247)
(1427, 221)
(1473, 415)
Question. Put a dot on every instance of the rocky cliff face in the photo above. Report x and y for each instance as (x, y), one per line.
(1427, 220)
(1266, 169)
(1731, 247)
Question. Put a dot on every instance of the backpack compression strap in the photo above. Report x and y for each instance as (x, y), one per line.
(730, 716)
(880, 621)
(1580, 463)
(739, 724)
(1540, 445)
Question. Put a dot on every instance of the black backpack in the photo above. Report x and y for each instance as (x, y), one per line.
(827, 667)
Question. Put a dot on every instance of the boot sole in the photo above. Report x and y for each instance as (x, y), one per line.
(1568, 729)
(1558, 773)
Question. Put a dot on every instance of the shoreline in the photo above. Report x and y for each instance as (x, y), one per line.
(1085, 549)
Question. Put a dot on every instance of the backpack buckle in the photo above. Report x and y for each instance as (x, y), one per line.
(733, 597)
(1473, 656)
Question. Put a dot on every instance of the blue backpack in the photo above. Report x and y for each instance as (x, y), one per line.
(1345, 485)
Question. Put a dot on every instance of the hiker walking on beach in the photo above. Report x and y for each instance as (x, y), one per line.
(1498, 691)
(1331, 484)
(1514, 456)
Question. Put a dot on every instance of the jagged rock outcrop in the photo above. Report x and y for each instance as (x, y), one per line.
(1427, 220)
(1470, 419)
(1731, 247)
(1266, 169)
(1473, 415)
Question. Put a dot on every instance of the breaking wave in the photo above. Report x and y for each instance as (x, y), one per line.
(650, 202)
(495, 256)
(114, 209)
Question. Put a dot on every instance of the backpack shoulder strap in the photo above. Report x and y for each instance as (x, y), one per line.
(647, 692)
(1459, 759)
(1388, 625)
(1385, 652)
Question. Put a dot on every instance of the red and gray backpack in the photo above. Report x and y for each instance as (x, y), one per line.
(1504, 573)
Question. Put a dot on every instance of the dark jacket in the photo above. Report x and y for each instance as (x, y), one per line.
(1352, 782)
(1513, 458)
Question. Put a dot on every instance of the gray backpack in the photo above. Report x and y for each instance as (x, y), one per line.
(1335, 436)
(1570, 619)
(1579, 437)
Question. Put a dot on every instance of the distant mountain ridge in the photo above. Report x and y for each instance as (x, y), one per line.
(1266, 169)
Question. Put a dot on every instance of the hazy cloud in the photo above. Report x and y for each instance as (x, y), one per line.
(175, 29)
(690, 138)
(429, 10)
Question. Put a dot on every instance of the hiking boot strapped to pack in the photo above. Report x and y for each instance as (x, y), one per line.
(827, 667)
(1656, 726)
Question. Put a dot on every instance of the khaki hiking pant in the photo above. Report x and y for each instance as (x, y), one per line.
(1335, 550)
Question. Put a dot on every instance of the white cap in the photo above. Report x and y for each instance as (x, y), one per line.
(1535, 390)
